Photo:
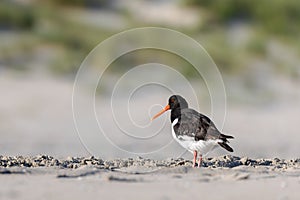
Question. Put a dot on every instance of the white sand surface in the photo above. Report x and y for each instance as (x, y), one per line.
(178, 183)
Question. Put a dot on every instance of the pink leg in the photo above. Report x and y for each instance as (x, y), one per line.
(195, 158)
(200, 161)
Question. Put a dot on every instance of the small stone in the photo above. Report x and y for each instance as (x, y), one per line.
(69, 158)
(42, 163)
(244, 160)
(180, 163)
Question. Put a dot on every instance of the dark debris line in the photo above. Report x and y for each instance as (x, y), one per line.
(227, 161)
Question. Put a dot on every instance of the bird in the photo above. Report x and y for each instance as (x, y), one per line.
(192, 130)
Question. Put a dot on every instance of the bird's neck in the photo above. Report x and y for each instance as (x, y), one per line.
(175, 113)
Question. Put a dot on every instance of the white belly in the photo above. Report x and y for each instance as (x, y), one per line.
(189, 143)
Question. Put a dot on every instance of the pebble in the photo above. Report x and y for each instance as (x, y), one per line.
(227, 161)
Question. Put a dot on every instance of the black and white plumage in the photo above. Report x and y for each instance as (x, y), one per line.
(192, 130)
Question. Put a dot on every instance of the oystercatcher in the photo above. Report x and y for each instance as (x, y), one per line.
(192, 130)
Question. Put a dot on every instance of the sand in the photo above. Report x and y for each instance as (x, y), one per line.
(33, 120)
(225, 177)
(36, 118)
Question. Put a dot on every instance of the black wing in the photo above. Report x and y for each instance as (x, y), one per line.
(196, 125)
(199, 127)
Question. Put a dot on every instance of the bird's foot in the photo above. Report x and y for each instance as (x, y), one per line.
(195, 158)
(200, 161)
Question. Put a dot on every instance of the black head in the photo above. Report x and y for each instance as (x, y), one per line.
(177, 101)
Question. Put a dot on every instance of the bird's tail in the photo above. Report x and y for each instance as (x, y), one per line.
(224, 144)
(223, 136)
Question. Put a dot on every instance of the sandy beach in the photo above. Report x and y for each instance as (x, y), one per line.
(39, 131)
(225, 177)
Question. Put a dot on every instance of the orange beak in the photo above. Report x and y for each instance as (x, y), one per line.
(161, 112)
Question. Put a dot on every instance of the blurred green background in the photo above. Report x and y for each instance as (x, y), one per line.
(237, 34)
(254, 43)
